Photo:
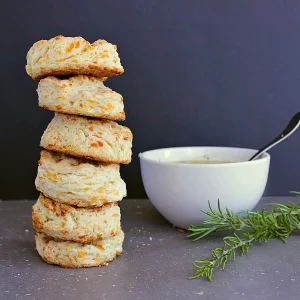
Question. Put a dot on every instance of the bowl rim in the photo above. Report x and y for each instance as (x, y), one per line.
(265, 157)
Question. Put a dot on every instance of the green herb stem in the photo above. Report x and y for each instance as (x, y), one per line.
(248, 229)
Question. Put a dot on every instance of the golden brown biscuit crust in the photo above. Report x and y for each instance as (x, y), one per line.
(100, 140)
(81, 95)
(77, 181)
(60, 56)
(117, 117)
(75, 255)
(70, 223)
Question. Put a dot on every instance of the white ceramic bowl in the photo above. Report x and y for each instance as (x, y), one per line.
(179, 191)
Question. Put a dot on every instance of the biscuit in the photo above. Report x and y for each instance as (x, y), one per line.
(77, 181)
(100, 140)
(75, 255)
(61, 55)
(80, 95)
(82, 225)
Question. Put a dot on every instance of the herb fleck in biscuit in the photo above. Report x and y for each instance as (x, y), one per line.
(100, 140)
(72, 56)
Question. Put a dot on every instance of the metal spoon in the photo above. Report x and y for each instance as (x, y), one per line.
(290, 128)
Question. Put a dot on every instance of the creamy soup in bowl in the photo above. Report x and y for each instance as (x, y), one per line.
(180, 181)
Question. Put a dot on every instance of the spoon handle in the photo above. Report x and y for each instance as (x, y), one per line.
(290, 128)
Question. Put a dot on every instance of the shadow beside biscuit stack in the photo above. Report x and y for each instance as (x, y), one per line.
(77, 218)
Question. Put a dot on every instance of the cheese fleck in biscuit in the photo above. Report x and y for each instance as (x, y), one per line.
(75, 255)
(82, 225)
(100, 140)
(72, 56)
(77, 181)
(80, 95)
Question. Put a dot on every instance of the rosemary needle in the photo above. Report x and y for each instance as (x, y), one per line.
(253, 227)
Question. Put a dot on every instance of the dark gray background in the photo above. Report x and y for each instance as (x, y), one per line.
(197, 73)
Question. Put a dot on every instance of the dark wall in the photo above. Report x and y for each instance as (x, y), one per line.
(196, 73)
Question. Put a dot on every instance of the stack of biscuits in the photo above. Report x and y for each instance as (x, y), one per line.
(77, 218)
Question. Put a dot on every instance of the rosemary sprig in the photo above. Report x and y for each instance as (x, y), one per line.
(248, 229)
